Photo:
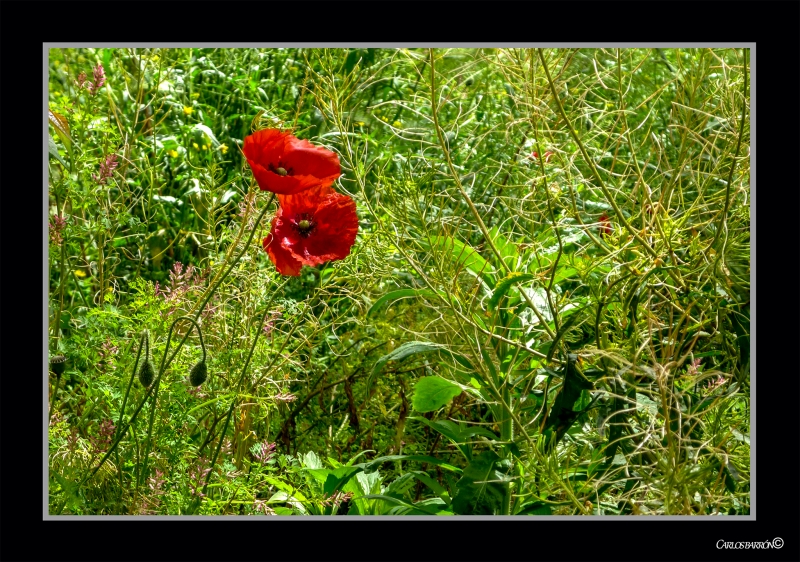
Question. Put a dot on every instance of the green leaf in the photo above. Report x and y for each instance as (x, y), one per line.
(406, 350)
(505, 284)
(53, 150)
(466, 256)
(200, 128)
(397, 295)
(431, 393)
(61, 126)
(507, 250)
(333, 480)
(373, 464)
(477, 494)
(409, 506)
(457, 433)
(535, 508)
(311, 460)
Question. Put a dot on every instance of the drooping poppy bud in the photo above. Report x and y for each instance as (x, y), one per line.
(198, 374)
(147, 373)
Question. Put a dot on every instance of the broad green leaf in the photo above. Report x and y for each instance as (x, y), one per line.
(199, 127)
(535, 508)
(399, 294)
(390, 499)
(457, 433)
(431, 393)
(478, 494)
(333, 480)
(505, 284)
(507, 249)
(431, 483)
(406, 350)
(373, 464)
(311, 460)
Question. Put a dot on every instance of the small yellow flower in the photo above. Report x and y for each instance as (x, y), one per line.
(384, 118)
(223, 148)
(173, 153)
(187, 110)
(397, 124)
(79, 273)
(360, 123)
(194, 144)
(204, 147)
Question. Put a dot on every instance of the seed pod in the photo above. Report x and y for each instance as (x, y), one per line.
(57, 364)
(147, 373)
(198, 374)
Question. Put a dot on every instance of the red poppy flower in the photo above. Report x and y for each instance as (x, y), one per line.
(284, 164)
(605, 225)
(547, 155)
(311, 227)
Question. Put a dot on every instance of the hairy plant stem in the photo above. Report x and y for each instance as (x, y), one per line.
(125, 398)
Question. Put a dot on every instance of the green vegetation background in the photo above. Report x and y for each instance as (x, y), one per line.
(546, 310)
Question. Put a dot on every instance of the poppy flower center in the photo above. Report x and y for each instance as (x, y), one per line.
(281, 170)
(304, 224)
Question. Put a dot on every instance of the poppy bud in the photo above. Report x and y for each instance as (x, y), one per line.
(57, 364)
(147, 373)
(198, 374)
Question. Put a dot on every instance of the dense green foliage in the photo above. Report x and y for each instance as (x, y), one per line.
(546, 310)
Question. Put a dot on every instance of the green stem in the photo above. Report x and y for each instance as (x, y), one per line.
(507, 436)
(125, 398)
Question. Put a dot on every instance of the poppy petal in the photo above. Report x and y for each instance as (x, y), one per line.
(305, 165)
(337, 227)
(311, 160)
(334, 228)
(284, 261)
